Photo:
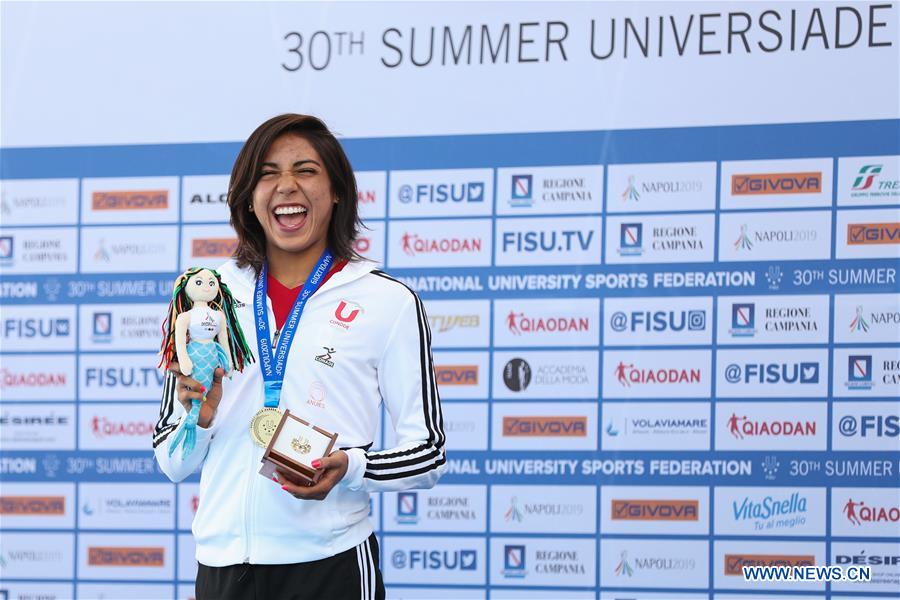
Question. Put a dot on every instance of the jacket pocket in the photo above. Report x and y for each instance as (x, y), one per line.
(350, 507)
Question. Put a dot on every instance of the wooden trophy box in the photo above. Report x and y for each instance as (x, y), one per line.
(293, 447)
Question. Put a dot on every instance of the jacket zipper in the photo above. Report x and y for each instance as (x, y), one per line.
(248, 510)
(251, 483)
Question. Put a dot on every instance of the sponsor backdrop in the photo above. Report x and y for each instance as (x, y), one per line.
(659, 246)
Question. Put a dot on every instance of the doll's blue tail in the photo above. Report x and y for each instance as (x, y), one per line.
(206, 357)
(222, 356)
(187, 435)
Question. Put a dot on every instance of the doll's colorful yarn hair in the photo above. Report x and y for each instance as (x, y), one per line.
(240, 350)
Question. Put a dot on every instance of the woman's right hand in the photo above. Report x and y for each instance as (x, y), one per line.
(188, 389)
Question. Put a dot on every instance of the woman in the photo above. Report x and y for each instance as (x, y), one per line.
(362, 340)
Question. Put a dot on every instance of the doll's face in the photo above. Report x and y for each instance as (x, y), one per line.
(202, 287)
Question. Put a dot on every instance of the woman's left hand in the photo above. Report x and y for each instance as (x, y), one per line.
(334, 467)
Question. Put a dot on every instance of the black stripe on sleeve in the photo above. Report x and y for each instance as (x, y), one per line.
(432, 447)
(164, 426)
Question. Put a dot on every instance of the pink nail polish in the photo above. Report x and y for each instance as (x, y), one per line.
(284, 487)
(316, 463)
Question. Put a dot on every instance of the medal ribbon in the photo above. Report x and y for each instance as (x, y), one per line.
(273, 366)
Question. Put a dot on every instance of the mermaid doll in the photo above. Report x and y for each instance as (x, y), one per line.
(202, 331)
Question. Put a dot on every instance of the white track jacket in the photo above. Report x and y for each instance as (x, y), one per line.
(363, 340)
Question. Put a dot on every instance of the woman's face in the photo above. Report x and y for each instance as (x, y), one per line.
(293, 198)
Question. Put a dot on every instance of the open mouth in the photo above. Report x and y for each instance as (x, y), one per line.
(290, 216)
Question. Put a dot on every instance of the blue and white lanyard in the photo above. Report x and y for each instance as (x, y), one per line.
(273, 367)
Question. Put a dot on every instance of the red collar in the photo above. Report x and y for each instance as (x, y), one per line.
(283, 297)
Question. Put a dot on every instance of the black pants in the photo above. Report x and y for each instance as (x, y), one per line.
(352, 574)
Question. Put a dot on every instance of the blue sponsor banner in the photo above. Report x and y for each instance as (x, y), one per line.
(844, 469)
(704, 348)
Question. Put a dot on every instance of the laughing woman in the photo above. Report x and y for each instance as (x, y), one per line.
(361, 341)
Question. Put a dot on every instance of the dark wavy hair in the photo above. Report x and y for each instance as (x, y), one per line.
(345, 223)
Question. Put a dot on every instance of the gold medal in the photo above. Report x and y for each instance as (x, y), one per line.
(263, 426)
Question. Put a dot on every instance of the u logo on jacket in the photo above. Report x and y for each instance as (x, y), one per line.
(345, 313)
